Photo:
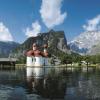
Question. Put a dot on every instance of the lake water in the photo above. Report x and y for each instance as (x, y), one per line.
(70, 84)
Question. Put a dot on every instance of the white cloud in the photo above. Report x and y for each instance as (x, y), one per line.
(93, 24)
(51, 13)
(5, 34)
(34, 30)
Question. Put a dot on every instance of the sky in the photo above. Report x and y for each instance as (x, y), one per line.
(20, 19)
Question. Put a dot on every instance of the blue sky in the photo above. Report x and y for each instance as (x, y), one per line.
(20, 19)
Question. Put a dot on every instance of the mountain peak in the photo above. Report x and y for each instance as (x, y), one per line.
(85, 41)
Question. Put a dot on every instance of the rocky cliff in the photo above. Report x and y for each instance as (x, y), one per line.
(56, 40)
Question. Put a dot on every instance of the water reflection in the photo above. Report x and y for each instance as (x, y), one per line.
(51, 86)
(57, 85)
(86, 88)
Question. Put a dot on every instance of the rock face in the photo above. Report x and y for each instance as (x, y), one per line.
(61, 45)
(6, 48)
(85, 42)
(56, 43)
(94, 50)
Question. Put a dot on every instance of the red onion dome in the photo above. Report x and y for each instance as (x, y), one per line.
(30, 53)
(46, 54)
(34, 44)
(45, 46)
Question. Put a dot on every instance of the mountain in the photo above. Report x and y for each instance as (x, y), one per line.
(56, 41)
(85, 42)
(6, 48)
(94, 50)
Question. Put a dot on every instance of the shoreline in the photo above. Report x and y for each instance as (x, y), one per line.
(63, 65)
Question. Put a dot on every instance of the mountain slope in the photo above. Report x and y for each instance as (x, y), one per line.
(94, 50)
(6, 48)
(55, 39)
(85, 41)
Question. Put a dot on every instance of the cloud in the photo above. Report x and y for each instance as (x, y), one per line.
(93, 24)
(5, 34)
(34, 30)
(51, 13)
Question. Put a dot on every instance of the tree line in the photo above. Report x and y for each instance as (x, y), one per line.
(76, 58)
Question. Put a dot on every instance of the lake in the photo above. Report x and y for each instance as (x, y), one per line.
(59, 84)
